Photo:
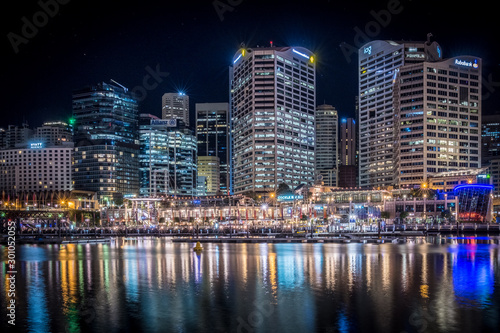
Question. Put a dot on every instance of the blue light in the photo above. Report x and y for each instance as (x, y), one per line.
(300, 53)
(489, 187)
(236, 60)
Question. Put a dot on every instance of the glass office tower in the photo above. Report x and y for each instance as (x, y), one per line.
(106, 142)
(212, 133)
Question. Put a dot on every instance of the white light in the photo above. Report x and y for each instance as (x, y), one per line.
(300, 53)
(236, 60)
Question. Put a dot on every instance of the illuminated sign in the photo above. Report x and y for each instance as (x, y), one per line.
(290, 197)
(466, 63)
(310, 58)
(367, 50)
(164, 122)
(36, 145)
(415, 55)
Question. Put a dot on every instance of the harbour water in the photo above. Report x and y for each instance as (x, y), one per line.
(429, 284)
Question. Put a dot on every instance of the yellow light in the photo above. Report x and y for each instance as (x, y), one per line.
(243, 52)
(311, 58)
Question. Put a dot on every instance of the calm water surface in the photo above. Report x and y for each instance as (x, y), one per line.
(153, 285)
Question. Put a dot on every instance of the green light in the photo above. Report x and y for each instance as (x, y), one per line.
(488, 176)
(72, 121)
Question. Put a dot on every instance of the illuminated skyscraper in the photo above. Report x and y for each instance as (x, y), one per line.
(175, 106)
(379, 62)
(438, 119)
(106, 142)
(272, 105)
(348, 153)
(212, 133)
(167, 157)
(327, 144)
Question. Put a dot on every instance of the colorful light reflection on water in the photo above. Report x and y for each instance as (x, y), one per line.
(153, 285)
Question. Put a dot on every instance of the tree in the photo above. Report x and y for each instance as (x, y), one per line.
(385, 215)
(446, 214)
(283, 189)
(403, 215)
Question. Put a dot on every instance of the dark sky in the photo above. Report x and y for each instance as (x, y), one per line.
(86, 42)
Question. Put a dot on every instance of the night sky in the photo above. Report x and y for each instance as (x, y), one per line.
(86, 42)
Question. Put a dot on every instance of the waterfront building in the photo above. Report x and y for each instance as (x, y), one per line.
(326, 154)
(35, 169)
(438, 118)
(379, 63)
(272, 106)
(106, 142)
(175, 106)
(348, 156)
(208, 167)
(167, 157)
(212, 133)
(490, 138)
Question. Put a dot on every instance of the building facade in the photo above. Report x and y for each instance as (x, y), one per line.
(348, 156)
(438, 119)
(175, 106)
(490, 138)
(327, 157)
(53, 133)
(272, 106)
(167, 157)
(106, 142)
(36, 169)
(209, 168)
(379, 63)
(212, 133)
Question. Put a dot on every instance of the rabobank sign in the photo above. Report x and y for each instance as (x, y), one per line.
(465, 63)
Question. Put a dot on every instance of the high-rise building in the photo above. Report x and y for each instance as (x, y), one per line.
(327, 144)
(490, 138)
(37, 169)
(379, 62)
(167, 157)
(154, 157)
(438, 118)
(15, 136)
(212, 133)
(106, 141)
(348, 171)
(175, 106)
(272, 105)
(209, 167)
(53, 133)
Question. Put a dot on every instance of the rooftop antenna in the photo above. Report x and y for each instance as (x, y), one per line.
(124, 88)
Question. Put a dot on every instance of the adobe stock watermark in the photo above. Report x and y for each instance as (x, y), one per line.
(256, 318)
(381, 19)
(422, 317)
(222, 6)
(30, 28)
(150, 82)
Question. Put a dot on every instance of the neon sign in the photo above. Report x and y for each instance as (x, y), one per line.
(36, 145)
(466, 63)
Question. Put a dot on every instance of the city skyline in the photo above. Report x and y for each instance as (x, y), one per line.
(154, 57)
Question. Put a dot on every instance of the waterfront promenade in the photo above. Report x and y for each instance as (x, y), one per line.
(256, 234)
